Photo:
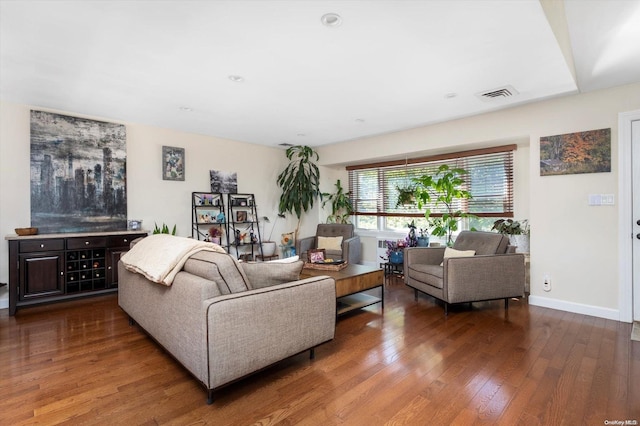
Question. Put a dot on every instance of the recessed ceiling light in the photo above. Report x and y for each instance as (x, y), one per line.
(185, 109)
(331, 20)
(236, 78)
(359, 120)
(301, 135)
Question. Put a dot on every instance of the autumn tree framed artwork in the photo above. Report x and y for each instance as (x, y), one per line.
(579, 152)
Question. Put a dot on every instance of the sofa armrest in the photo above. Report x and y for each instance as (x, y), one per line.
(250, 330)
(304, 245)
(484, 277)
(351, 249)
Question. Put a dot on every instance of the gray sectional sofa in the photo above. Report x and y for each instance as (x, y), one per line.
(223, 320)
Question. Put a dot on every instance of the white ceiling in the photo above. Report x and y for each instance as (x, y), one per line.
(390, 65)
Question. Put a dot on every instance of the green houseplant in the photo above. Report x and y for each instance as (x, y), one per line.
(441, 190)
(164, 229)
(517, 231)
(299, 182)
(341, 207)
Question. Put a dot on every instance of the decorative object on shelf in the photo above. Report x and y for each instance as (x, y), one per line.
(341, 207)
(442, 191)
(173, 163)
(215, 234)
(223, 182)
(573, 153)
(26, 231)
(241, 216)
(412, 239)
(299, 181)
(164, 229)
(134, 224)
(78, 174)
(423, 239)
(517, 231)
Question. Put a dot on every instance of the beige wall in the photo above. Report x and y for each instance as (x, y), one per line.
(574, 244)
(149, 197)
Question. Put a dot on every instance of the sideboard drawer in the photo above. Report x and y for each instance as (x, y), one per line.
(41, 245)
(86, 243)
(123, 240)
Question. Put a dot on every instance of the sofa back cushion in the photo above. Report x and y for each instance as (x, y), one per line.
(484, 243)
(265, 274)
(221, 268)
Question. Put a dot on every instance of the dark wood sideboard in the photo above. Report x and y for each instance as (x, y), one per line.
(55, 267)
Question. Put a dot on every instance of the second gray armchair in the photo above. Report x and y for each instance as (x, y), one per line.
(338, 240)
(491, 272)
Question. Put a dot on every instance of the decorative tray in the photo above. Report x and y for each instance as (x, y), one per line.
(329, 266)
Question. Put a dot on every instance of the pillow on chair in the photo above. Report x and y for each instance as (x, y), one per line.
(449, 252)
(330, 243)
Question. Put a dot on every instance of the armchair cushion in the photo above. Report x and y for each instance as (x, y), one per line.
(330, 243)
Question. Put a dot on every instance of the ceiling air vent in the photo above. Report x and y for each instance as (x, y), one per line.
(499, 93)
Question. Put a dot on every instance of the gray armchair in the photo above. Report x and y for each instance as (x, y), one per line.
(492, 273)
(349, 249)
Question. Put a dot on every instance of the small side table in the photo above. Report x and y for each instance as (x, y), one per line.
(392, 269)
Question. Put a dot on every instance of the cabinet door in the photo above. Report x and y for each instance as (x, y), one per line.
(41, 275)
(112, 267)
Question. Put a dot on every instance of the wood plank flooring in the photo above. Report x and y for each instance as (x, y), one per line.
(81, 363)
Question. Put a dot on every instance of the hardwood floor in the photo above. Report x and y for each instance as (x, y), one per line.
(81, 363)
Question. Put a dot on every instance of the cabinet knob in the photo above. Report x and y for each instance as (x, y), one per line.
(125, 240)
(61, 272)
(109, 268)
(41, 245)
(86, 243)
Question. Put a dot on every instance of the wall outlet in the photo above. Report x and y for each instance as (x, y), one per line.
(547, 283)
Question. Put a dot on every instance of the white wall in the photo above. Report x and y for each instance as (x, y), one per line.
(574, 244)
(149, 197)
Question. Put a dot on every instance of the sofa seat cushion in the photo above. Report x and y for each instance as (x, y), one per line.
(428, 274)
(221, 268)
(265, 274)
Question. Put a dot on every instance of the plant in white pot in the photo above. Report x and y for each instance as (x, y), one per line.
(517, 231)
(269, 246)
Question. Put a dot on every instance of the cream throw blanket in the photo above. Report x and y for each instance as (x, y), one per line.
(160, 257)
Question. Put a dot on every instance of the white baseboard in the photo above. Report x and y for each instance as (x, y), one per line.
(578, 308)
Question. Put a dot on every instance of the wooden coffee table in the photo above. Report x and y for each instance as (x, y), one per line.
(350, 283)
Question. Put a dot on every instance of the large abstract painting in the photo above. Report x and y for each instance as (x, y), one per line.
(78, 174)
(580, 152)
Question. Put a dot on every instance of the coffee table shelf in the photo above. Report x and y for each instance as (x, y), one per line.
(356, 301)
(351, 282)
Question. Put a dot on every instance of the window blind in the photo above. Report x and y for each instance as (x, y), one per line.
(374, 187)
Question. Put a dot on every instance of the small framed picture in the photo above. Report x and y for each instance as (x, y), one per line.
(241, 216)
(316, 255)
(172, 163)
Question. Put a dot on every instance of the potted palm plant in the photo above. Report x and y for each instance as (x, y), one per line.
(299, 182)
